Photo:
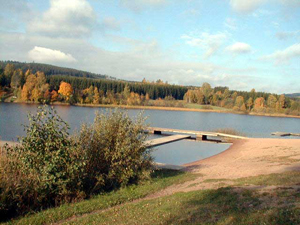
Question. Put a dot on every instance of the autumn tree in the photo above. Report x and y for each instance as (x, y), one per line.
(66, 90)
(28, 88)
(54, 96)
(271, 102)
(259, 103)
(282, 101)
(125, 95)
(16, 78)
(25, 93)
(243, 107)
(239, 101)
(199, 96)
(9, 71)
(249, 103)
(207, 92)
(96, 96)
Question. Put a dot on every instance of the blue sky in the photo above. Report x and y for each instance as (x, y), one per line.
(241, 44)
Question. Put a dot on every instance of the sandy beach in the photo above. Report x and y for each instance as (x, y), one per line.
(245, 158)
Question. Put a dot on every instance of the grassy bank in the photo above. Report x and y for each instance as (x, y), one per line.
(160, 180)
(244, 202)
(221, 206)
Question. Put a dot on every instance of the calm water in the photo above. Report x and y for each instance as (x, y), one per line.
(13, 115)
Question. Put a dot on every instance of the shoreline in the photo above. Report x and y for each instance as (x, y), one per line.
(163, 108)
(244, 158)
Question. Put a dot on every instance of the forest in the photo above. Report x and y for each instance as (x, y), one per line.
(52, 70)
(42, 86)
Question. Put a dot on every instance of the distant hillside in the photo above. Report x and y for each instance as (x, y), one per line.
(54, 70)
(293, 95)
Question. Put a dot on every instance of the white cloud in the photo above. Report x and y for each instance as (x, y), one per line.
(287, 34)
(285, 55)
(68, 18)
(246, 6)
(208, 42)
(149, 60)
(139, 5)
(239, 48)
(45, 55)
(291, 3)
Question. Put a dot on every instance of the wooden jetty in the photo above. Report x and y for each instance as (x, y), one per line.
(166, 140)
(177, 135)
(200, 135)
(283, 134)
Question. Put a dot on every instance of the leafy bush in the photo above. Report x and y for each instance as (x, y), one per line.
(114, 151)
(48, 167)
(43, 170)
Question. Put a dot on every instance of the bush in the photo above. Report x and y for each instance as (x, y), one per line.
(114, 151)
(41, 171)
(49, 168)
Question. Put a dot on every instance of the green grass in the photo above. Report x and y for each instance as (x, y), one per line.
(230, 205)
(160, 180)
(286, 178)
(221, 206)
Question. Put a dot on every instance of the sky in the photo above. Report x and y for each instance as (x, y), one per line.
(241, 44)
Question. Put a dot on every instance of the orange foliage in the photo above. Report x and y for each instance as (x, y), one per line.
(54, 96)
(65, 89)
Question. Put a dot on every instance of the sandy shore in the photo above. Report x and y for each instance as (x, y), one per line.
(245, 158)
(251, 157)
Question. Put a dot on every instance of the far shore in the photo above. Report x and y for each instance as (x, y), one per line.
(166, 109)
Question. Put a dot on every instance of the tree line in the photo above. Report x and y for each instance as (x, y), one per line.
(52, 70)
(32, 86)
(37, 87)
(252, 101)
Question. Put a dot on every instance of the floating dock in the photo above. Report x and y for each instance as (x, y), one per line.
(283, 134)
(200, 135)
(166, 140)
(177, 135)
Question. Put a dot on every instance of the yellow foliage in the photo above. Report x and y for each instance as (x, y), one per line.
(65, 89)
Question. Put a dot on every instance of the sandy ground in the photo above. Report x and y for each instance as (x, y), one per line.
(244, 158)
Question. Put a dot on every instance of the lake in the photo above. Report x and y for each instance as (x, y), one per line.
(13, 115)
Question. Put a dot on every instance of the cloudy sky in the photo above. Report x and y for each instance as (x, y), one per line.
(242, 44)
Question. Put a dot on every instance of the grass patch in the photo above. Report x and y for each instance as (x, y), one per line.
(286, 178)
(221, 206)
(160, 180)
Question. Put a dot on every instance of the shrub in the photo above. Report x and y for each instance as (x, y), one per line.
(48, 167)
(43, 170)
(114, 151)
